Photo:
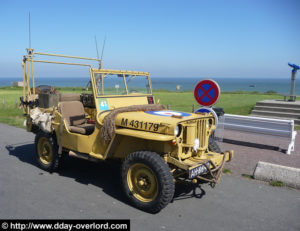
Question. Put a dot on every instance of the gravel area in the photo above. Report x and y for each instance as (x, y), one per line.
(251, 148)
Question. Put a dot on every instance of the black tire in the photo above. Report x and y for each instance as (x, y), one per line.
(162, 182)
(213, 146)
(46, 151)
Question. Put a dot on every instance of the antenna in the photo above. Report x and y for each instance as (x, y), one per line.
(29, 32)
(103, 47)
(96, 47)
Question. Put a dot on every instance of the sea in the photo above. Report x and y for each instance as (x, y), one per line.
(279, 85)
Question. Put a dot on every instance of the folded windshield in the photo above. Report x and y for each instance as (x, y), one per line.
(114, 84)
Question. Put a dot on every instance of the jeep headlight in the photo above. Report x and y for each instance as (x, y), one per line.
(177, 130)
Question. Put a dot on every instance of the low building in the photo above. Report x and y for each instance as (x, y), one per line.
(17, 84)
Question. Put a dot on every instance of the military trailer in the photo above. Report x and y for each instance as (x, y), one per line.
(120, 120)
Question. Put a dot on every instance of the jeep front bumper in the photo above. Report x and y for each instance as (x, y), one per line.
(193, 168)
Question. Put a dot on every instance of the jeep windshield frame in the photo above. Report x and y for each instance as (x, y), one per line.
(115, 83)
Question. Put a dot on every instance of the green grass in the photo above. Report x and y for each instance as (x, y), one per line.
(238, 102)
(276, 183)
(247, 176)
(233, 103)
(10, 113)
(227, 171)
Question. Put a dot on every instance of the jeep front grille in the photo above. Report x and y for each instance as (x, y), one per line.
(202, 133)
(194, 129)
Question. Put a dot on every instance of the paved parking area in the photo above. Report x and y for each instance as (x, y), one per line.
(89, 190)
(251, 148)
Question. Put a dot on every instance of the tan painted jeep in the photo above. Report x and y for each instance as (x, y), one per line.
(120, 120)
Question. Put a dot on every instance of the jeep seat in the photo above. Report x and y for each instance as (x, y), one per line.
(74, 115)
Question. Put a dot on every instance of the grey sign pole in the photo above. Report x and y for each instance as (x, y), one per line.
(294, 71)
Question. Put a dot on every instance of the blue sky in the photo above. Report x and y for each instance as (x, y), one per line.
(167, 38)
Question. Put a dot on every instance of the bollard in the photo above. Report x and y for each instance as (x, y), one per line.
(168, 106)
(3, 101)
(193, 108)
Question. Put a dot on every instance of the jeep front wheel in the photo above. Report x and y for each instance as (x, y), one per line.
(213, 146)
(147, 181)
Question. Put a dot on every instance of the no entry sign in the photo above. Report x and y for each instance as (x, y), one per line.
(207, 92)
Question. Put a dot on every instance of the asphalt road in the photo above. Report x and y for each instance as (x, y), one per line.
(92, 190)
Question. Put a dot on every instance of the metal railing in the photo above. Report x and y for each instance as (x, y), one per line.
(263, 126)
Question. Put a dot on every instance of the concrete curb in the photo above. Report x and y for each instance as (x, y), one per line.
(273, 172)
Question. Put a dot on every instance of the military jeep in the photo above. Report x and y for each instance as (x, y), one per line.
(120, 120)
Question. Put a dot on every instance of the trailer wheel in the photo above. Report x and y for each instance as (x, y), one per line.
(147, 181)
(46, 150)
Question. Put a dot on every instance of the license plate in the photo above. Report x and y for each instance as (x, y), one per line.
(198, 170)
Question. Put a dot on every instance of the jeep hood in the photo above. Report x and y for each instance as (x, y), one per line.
(163, 121)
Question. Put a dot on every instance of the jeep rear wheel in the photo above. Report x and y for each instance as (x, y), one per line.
(147, 181)
(46, 151)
